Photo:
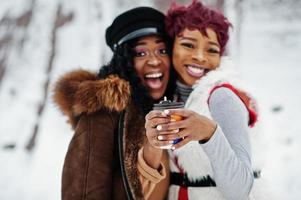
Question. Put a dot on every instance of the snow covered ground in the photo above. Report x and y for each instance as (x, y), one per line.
(268, 57)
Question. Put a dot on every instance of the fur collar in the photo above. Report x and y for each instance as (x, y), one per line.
(81, 91)
(133, 139)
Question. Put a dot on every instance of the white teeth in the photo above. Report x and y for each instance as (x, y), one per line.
(195, 66)
(196, 69)
(153, 75)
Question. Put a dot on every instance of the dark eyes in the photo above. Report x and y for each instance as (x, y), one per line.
(162, 51)
(159, 52)
(191, 46)
(188, 45)
(140, 54)
(213, 51)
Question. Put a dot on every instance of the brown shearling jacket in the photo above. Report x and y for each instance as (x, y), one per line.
(101, 161)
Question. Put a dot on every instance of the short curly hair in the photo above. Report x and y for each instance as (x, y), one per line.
(197, 16)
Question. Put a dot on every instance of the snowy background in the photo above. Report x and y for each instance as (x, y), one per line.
(40, 40)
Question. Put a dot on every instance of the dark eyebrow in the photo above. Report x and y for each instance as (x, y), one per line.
(140, 43)
(188, 38)
(195, 40)
(160, 41)
(144, 43)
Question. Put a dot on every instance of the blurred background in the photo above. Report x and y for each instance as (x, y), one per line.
(41, 40)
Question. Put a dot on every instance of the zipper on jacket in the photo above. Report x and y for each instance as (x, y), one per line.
(121, 159)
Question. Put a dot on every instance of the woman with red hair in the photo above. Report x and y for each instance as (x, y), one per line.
(213, 159)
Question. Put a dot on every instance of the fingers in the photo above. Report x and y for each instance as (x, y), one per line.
(154, 118)
(172, 126)
(180, 111)
(168, 137)
(181, 143)
(154, 113)
(153, 131)
(153, 123)
(163, 132)
(160, 144)
(158, 141)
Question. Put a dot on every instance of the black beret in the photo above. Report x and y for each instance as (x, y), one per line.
(134, 23)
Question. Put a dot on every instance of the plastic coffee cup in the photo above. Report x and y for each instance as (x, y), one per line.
(165, 105)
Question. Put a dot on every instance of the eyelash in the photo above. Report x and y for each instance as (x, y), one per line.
(162, 51)
(140, 54)
(191, 46)
(188, 45)
(212, 50)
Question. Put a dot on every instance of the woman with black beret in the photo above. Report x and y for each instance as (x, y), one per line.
(106, 111)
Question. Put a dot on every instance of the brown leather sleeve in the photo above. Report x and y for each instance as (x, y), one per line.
(149, 177)
(87, 172)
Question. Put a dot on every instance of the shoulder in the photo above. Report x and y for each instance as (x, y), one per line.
(224, 100)
(100, 120)
(231, 96)
(81, 92)
(223, 94)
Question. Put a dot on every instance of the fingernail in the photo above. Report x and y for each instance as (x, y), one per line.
(176, 131)
(170, 142)
(159, 127)
(166, 112)
(173, 148)
(160, 137)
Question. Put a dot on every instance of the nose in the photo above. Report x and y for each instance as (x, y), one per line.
(199, 55)
(153, 60)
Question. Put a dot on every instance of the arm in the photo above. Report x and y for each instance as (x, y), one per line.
(229, 147)
(87, 172)
(154, 182)
(152, 160)
(152, 153)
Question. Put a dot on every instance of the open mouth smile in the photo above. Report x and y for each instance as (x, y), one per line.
(154, 80)
(194, 70)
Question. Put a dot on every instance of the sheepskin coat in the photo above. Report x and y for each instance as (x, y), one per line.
(101, 161)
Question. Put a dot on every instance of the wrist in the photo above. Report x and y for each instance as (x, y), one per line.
(210, 132)
(152, 155)
(151, 149)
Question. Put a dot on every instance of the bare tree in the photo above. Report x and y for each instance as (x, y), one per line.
(9, 25)
(61, 20)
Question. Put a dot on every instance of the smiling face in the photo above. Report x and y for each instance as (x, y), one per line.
(152, 64)
(195, 54)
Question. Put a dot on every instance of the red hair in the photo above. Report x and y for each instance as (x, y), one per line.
(197, 16)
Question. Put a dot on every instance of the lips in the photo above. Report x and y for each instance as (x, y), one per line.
(153, 80)
(195, 70)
